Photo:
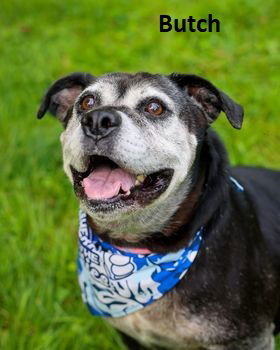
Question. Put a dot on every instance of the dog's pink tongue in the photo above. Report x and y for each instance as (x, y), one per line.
(104, 182)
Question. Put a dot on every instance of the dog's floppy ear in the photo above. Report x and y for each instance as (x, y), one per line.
(210, 98)
(60, 97)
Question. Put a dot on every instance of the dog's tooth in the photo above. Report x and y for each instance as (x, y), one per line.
(137, 183)
(141, 178)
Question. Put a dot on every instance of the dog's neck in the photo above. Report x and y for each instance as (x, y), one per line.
(208, 176)
(149, 244)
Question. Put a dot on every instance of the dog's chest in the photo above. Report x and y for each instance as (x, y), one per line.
(164, 323)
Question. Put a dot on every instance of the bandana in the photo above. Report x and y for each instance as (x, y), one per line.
(115, 283)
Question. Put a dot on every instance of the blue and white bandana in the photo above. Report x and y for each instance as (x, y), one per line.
(115, 283)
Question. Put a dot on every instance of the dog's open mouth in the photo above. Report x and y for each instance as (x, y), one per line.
(105, 184)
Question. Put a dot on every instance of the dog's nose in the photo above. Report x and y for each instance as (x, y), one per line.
(99, 124)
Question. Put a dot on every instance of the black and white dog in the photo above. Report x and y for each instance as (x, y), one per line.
(149, 173)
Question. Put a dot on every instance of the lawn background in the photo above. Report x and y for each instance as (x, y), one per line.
(40, 304)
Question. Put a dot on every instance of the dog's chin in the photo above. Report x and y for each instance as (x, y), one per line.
(145, 190)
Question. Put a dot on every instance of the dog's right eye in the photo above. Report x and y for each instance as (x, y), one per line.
(87, 103)
(154, 108)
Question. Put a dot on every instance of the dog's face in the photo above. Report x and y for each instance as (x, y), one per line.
(129, 143)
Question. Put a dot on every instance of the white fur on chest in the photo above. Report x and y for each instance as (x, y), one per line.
(164, 323)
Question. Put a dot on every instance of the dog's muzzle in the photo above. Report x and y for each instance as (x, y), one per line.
(100, 123)
(108, 184)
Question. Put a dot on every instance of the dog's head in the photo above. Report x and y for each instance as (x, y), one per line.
(129, 142)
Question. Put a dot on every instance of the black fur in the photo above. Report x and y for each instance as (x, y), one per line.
(212, 99)
(79, 80)
(237, 271)
(235, 278)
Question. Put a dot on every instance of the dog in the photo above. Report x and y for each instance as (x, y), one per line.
(155, 188)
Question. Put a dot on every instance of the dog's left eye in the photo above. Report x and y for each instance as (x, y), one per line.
(87, 103)
(154, 108)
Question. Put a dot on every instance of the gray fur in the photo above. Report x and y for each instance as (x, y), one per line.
(144, 145)
(167, 142)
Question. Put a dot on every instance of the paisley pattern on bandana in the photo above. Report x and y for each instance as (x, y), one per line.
(115, 283)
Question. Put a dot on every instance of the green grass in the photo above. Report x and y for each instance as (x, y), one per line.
(40, 304)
